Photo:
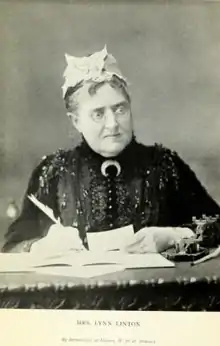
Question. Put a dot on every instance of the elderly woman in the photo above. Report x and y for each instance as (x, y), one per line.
(110, 180)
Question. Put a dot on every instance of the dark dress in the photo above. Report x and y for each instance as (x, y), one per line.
(155, 188)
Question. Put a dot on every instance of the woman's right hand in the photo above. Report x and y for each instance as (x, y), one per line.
(58, 240)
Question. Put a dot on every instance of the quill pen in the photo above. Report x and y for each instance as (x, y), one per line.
(214, 254)
(45, 209)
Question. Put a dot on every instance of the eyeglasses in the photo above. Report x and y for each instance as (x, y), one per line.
(120, 111)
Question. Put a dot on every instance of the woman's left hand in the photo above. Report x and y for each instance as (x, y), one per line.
(158, 239)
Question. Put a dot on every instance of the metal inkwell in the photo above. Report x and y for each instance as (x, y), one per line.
(207, 237)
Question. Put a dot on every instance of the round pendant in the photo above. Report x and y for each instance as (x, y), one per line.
(110, 163)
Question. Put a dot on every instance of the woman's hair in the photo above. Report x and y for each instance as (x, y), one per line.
(71, 99)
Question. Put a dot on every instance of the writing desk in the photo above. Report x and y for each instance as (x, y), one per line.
(181, 288)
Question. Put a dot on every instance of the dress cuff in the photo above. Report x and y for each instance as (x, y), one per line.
(24, 246)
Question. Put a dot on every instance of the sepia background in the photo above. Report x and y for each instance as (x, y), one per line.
(169, 51)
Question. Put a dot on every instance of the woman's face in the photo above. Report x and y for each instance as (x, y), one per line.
(104, 119)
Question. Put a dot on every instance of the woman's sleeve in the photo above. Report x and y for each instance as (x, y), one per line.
(189, 198)
(33, 224)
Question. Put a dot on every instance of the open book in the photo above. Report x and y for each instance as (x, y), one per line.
(84, 264)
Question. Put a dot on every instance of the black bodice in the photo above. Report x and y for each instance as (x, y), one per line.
(154, 188)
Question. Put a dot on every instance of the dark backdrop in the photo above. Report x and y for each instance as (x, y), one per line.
(170, 52)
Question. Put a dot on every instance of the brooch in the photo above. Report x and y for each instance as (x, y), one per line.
(108, 165)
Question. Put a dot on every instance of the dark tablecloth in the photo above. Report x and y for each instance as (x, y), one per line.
(181, 288)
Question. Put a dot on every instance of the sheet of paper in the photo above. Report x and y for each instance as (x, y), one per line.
(148, 260)
(92, 258)
(15, 262)
(26, 262)
(78, 259)
(80, 271)
(110, 240)
(23, 262)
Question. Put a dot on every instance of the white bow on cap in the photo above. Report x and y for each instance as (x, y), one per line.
(97, 67)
